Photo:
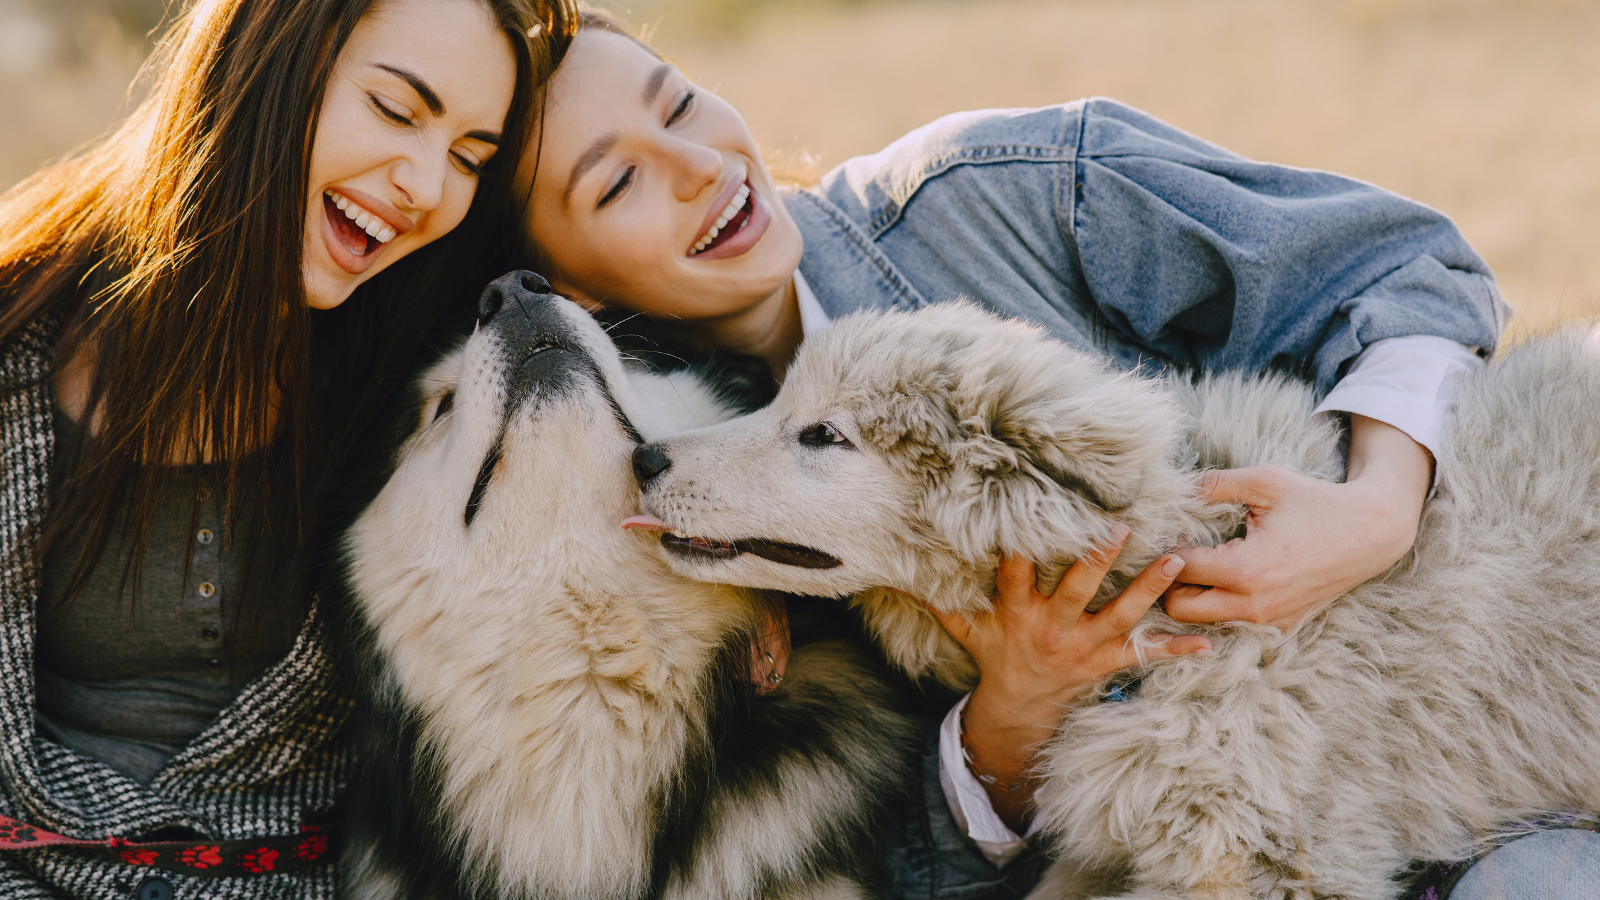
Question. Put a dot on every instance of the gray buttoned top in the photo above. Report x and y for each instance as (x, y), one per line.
(131, 678)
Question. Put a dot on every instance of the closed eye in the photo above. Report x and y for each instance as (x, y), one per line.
(384, 110)
(616, 189)
(446, 403)
(824, 434)
(682, 108)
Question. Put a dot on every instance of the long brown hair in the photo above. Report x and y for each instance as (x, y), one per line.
(170, 251)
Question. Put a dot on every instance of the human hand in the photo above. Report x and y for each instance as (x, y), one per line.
(1038, 653)
(1307, 541)
(769, 651)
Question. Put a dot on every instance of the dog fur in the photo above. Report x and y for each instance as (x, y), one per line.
(1456, 692)
(551, 711)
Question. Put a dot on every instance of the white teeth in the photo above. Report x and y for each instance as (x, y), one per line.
(364, 220)
(728, 212)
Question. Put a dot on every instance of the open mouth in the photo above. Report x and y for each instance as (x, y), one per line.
(351, 235)
(732, 220)
(712, 548)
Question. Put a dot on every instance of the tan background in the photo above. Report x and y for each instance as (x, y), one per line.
(1486, 109)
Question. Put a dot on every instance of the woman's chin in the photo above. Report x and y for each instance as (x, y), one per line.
(326, 290)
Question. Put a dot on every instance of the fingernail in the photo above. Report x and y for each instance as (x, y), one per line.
(1172, 566)
(1205, 651)
(1121, 532)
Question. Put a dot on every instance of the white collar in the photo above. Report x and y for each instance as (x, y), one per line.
(812, 317)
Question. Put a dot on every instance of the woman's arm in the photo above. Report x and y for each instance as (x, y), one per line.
(1039, 653)
(1307, 541)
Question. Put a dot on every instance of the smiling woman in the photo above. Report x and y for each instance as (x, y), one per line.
(1113, 231)
(393, 166)
(199, 311)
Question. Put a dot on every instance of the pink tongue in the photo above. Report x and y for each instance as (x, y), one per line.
(650, 523)
(353, 238)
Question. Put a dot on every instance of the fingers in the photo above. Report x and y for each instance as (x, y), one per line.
(1194, 604)
(1083, 579)
(1015, 579)
(958, 625)
(1172, 647)
(1226, 565)
(1255, 486)
(1120, 615)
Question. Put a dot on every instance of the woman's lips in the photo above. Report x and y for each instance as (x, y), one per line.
(739, 236)
(352, 249)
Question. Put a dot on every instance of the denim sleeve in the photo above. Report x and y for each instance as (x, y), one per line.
(925, 857)
(1224, 263)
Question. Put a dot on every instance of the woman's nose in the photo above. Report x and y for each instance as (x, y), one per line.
(697, 166)
(421, 177)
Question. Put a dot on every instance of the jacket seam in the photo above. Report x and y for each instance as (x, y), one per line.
(966, 156)
(850, 231)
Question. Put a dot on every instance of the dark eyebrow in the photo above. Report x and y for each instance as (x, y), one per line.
(652, 85)
(590, 158)
(434, 105)
(488, 137)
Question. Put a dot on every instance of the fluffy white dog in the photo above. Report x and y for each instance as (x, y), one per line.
(550, 711)
(1458, 691)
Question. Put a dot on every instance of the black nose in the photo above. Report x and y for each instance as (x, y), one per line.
(648, 462)
(489, 303)
(535, 283)
(494, 296)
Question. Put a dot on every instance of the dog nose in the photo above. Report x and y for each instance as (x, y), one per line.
(534, 283)
(489, 303)
(518, 284)
(648, 462)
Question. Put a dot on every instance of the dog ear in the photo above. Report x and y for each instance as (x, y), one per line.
(1048, 448)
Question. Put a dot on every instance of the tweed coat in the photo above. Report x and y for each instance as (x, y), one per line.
(271, 761)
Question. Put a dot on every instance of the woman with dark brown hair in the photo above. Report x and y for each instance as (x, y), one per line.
(198, 312)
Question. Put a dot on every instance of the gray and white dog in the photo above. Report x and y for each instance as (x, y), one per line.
(1458, 691)
(549, 711)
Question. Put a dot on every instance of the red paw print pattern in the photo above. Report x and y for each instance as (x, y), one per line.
(312, 847)
(17, 833)
(138, 857)
(257, 861)
(200, 857)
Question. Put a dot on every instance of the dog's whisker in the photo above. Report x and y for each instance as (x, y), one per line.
(619, 323)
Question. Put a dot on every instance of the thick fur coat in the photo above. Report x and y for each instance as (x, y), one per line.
(1458, 691)
(553, 713)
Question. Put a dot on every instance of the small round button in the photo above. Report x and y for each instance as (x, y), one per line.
(153, 888)
(209, 633)
(213, 662)
(207, 589)
(204, 536)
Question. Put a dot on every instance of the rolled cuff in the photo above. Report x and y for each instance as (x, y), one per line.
(1407, 382)
(968, 801)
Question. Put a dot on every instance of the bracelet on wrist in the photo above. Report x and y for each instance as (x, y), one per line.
(972, 765)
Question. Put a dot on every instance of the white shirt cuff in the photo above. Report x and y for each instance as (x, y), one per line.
(1408, 382)
(969, 803)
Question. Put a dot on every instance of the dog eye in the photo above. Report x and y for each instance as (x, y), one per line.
(823, 434)
(445, 402)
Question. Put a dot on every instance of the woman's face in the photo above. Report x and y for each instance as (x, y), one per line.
(413, 111)
(637, 167)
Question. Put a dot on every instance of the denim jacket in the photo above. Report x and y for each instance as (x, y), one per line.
(1121, 234)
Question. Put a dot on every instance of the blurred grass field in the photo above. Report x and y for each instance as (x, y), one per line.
(1486, 109)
